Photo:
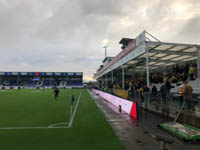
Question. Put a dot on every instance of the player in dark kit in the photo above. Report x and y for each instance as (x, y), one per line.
(56, 92)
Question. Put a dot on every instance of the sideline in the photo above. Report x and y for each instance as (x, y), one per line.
(74, 112)
(16, 128)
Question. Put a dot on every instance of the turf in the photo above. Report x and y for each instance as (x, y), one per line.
(34, 108)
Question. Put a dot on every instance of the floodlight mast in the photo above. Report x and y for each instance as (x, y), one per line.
(106, 45)
(105, 50)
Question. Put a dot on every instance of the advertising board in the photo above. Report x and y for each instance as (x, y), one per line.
(126, 106)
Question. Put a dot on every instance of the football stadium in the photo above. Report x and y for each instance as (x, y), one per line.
(53, 110)
(87, 75)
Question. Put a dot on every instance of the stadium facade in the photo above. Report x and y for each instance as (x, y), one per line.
(41, 79)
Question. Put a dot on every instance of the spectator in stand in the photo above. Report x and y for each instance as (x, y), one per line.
(177, 69)
(169, 74)
(180, 93)
(184, 76)
(163, 92)
(137, 86)
(140, 90)
(154, 92)
(126, 86)
(182, 68)
(146, 94)
(191, 72)
(195, 70)
(117, 86)
(160, 78)
(187, 94)
(168, 88)
(174, 79)
(130, 89)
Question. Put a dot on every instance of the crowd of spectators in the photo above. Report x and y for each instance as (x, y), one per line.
(32, 82)
(177, 74)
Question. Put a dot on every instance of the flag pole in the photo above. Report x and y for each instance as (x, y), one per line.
(71, 111)
(71, 107)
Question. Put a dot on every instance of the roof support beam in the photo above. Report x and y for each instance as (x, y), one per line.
(153, 60)
(173, 52)
(163, 61)
(147, 66)
(161, 51)
(165, 43)
(166, 61)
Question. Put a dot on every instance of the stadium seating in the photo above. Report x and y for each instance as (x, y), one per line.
(195, 84)
(47, 83)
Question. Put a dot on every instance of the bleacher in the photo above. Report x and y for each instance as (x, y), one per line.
(195, 84)
(41, 79)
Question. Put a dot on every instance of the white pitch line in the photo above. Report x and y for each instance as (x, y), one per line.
(53, 125)
(72, 118)
(16, 128)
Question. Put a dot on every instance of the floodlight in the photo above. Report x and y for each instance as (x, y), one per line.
(105, 45)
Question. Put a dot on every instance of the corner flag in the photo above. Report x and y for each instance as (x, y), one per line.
(71, 107)
(73, 99)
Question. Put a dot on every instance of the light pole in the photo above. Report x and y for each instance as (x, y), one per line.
(105, 45)
(105, 51)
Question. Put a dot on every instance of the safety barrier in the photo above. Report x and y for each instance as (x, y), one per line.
(169, 105)
(127, 106)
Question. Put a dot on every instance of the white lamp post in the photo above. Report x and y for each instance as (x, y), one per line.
(105, 45)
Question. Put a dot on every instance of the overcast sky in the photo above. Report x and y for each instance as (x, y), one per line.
(67, 35)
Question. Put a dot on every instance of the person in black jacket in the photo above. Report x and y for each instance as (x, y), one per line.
(56, 92)
(163, 91)
(154, 92)
(168, 88)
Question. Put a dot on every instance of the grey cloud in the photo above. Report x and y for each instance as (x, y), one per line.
(190, 32)
(81, 60)
(64, 35)
(101, 7)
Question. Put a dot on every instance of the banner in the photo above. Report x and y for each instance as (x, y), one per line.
(127, 106)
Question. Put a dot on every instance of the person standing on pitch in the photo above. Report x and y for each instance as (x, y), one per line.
(56, 92)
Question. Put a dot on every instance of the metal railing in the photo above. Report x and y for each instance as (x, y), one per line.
(168, 105)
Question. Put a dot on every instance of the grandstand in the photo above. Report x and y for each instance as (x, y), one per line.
(40, 79)
(145, 61)
(146, 55)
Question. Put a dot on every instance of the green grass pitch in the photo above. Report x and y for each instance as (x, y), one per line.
(37, 108)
